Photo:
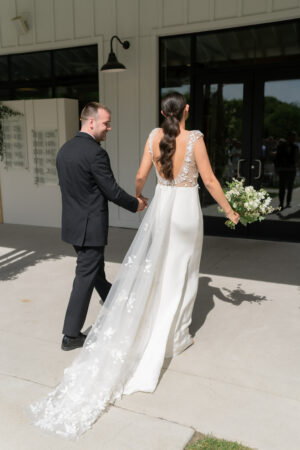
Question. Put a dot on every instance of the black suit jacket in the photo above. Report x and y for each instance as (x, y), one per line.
(87, 183)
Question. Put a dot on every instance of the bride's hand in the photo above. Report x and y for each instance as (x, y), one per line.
(141, 205)
(144, 199)
(233, 216)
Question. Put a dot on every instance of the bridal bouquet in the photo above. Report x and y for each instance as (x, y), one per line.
(251, 205)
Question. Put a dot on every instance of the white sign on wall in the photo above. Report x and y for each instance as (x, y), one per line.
(45, 148)
(54, 121)
(15, 143)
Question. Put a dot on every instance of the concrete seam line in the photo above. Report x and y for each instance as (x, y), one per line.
(154, 417)
(235, 384)
(25, 379)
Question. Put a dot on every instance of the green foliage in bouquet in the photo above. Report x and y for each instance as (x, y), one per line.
(252, 205)
(5, 112)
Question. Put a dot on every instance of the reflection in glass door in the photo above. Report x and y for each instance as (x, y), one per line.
(252, 130)
(244, 92)
(279, 158)
(223, 131)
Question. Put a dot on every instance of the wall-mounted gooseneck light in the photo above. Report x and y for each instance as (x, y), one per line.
(113, 65)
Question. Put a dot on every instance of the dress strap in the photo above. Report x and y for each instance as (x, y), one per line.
(151, 135)
(195, 135)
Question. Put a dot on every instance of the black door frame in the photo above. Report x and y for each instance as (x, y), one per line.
(253, 79)
(280, 230)
(215, 225)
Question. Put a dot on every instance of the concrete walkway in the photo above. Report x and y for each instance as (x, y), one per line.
(240, 381)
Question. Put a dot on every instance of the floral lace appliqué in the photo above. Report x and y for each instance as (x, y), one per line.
(188, 174)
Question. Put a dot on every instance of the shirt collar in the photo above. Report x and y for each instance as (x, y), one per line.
(85, 132)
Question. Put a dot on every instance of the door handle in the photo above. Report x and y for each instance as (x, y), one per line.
(238, 167)
(259, 169)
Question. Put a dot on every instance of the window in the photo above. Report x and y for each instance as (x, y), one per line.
(70, 73)
(31, 66)
(184, 59)
(4, 75)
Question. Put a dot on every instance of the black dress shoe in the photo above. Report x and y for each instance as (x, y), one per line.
(70, 343)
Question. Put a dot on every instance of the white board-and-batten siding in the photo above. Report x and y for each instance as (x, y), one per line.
(131, 95)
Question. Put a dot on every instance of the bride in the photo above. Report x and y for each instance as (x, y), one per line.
(148, 310)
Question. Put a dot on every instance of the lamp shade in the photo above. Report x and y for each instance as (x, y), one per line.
(113, 65)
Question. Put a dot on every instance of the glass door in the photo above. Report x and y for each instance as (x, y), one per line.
(243, 88)
(251, 123)
(222, 110)
(276, 151)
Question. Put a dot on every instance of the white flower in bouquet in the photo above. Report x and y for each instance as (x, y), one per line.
(251, 205)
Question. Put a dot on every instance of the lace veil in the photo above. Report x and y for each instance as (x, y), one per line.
(117, 340)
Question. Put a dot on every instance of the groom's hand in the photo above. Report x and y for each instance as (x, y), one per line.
(142, 203)
(144, 199)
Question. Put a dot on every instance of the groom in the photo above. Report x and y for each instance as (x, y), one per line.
(87, 183)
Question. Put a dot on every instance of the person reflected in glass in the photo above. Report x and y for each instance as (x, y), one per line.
(235, 154)
(268, 158)
(285, 163)
(228, 170)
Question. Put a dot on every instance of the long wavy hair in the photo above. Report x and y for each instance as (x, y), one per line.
(172, 106)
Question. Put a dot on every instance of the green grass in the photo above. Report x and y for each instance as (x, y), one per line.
(212, 443)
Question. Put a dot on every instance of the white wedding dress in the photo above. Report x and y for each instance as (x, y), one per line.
(146, 315)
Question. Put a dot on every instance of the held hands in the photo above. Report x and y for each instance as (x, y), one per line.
(143, 203)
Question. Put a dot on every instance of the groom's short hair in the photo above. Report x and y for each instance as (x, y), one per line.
(91, 110)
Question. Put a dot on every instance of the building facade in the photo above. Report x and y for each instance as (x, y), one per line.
(208, 49)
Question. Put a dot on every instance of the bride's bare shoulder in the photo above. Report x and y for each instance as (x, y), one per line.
(184, 133)
(157, 133)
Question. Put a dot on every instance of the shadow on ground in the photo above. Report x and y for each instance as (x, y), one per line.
(275, 262)
(27, 246)
(14, 262)
(205, 301)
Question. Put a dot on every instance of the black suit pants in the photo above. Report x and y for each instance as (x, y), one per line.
(286, 183)
(89, 275)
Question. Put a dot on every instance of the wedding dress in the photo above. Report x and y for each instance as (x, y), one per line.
(146, 315)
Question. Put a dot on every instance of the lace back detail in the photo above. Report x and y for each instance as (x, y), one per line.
(188, 173)
(151, 135)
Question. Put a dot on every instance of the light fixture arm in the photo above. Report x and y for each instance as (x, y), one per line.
(125, 44)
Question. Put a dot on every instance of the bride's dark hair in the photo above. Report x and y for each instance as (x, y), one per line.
(172, 106)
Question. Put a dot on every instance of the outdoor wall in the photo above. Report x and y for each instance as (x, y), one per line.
(24, 201)
(132, 95)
